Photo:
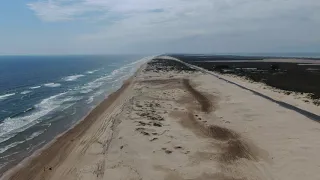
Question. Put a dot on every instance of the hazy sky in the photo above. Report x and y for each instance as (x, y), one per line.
(158, 26)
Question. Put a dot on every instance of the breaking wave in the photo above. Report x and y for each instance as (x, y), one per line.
(13, 125)
(35, 87)
(93, 71)
(52, 85)
(25, 92)
(73, 77)
(32, 136)
(5, 96)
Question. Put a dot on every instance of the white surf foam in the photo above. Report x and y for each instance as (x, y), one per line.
(72, 99)
(73, 77)
(86, 90)
(67, 106)
(114, 78)
(93, 71)
(7, 137)
(5, 96)
(130, 68)
(102, 79)
(141, 61)
(52, 85)
(98, 93)
(32, 136)
(35, 87)
(25, 92)
(11, 126)
(36, 146)
(91, 86)
(89, 100)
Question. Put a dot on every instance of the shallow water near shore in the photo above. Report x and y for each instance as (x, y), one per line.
(43, 96)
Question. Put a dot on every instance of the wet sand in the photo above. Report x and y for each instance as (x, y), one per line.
(173, 122)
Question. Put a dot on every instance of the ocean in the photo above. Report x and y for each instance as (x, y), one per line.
(43, 96)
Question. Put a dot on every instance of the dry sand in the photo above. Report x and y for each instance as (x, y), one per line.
(182, 126)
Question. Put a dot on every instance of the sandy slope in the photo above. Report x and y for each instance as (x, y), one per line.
(184, 126)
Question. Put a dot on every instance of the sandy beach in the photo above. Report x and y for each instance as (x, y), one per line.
(172, 122)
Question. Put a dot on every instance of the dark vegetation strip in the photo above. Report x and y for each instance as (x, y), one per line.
(232, 146)
(205, 103)
(282, 75)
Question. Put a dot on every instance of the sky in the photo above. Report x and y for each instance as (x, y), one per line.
(158, 26)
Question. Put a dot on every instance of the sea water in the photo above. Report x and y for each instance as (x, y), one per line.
(43, 96)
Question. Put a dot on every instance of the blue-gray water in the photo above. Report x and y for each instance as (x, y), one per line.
(42, 96)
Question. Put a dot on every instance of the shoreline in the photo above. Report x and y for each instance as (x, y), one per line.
(16, 165)
(65, 140)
